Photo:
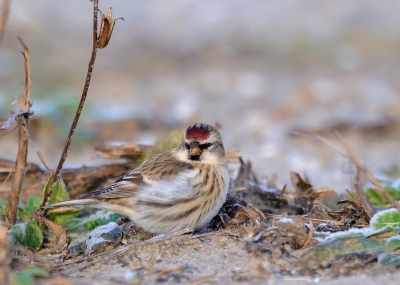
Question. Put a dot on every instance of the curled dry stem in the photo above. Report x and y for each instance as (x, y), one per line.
(23, 120)
(58, 231)
(309, 236)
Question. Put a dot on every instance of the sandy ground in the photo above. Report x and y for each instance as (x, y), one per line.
(219, 259)
(262, 70)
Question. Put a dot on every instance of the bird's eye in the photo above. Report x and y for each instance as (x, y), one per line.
(205, 146)
(187, 145)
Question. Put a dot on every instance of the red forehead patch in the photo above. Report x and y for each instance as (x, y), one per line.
(197, 133)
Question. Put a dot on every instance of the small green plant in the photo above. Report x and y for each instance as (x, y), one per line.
(376, 198)
(27, 276)
(102, 217)
(28, 233)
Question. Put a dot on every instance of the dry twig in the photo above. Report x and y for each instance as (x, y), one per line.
(369, 175)
(23, 120)
(60, 234)
(3, 18)
(80, 107)
(369, 210)
(309, 236)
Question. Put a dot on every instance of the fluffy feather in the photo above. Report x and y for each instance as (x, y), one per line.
(172, 190)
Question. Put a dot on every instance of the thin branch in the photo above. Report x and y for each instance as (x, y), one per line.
(37, 151)
(309, 236)
(369, 175)
(3, 18)
(23, 121)
(80, 106)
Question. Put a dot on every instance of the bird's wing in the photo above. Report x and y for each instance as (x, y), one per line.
(162, 167)
(124, 187)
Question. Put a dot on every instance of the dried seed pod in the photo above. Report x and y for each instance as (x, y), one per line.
(106, 28)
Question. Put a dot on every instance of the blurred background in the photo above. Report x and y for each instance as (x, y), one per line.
(262, 69)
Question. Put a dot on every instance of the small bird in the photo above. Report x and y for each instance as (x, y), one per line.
(181, 188)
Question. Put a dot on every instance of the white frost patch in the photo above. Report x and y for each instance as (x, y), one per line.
(286, 220)
(351, 232)
(266, 189)
(320, 240)
(366, 232)
(129, 274)
(393, 238)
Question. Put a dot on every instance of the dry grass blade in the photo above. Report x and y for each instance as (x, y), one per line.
(202, 280)
(369, 175)
(37, 150)
(369, 210)
(4, 15)
(58, 231)
(23, 120)
(309, 236)
(320, 138)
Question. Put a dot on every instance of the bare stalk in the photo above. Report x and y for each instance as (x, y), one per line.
(80, 106)
(369, 175)
(23, 120)
(3, 18)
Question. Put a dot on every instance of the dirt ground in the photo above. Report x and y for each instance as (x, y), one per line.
(270, 73)
(217, 259)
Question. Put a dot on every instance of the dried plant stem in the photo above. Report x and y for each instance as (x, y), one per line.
(80, 106)
(23, 121)
(310, 234)
(369, 175)
(3, 17)
(369, 210)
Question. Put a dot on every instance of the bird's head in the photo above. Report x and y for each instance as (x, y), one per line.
(202, 142)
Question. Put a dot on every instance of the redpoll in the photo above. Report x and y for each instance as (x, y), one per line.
(181, 188)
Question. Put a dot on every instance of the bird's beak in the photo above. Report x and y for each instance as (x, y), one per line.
(194, 149)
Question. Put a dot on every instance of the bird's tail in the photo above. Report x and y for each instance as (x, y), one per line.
(74, 202)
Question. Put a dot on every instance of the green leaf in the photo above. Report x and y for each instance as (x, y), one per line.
(3, 208)
(395, 193)
(28, 234)
(26, 277)
(61, 218)
(60, 194)
(21, 279)
(36, 271)
(337, 248)
(33, 203)
(386, 218)
(23, 212)
(376, 198)
(390, 259)
(392, 244)
(102, 217)
(172, 140)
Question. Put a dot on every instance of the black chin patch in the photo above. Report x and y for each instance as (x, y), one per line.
(194, 157)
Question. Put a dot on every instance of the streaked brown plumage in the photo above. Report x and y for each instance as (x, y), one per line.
(184, 187)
